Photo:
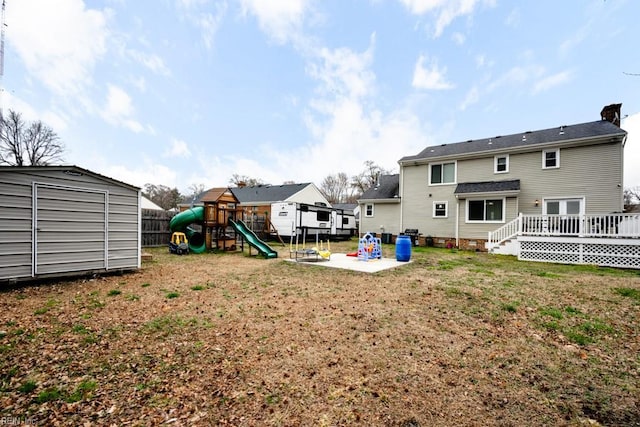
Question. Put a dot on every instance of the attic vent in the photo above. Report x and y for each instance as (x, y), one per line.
(442, 145)
(490, 141)
(561, 130)
(469, 140)
(498, 137)
(524, 138)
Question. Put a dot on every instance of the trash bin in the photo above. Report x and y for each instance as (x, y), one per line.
(429, 241)
(386, 238)
(403, 248)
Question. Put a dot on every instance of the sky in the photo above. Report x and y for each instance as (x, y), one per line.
(191, 92)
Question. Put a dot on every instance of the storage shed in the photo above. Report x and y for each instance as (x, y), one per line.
(66, 220)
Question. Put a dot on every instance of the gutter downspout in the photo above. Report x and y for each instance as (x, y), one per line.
(401, 191)
(457, 222)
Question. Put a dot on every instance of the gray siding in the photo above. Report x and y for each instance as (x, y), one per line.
(474, 230)
(83, 222)
(592, 172)
(417, 203)
(384, 214)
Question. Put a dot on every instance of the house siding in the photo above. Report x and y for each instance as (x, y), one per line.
(417, 203)
(475, 230)
(82, 223)
(385, 219)
(309, 195)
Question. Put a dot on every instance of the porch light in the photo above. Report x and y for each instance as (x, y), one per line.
(537, 202)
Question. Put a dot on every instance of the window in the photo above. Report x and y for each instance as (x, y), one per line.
(501, 164)
(550, 159)
(491, 210)
(442, 173)
(368, 210)
(439, 209)
(322, 216)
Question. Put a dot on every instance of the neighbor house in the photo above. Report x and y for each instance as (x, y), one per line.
(257, 199)
(458, 193)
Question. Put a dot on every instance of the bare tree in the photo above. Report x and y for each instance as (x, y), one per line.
(163, 196)
(336, 188)
(23, 144)
(244, 181)
(195, 191)
(631, 196)
(368, 177)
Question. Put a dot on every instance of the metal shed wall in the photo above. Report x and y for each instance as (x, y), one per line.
(65, 220)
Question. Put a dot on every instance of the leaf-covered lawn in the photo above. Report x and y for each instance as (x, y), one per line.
(453, 338)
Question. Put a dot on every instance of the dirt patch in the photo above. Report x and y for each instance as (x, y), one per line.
(453, 338)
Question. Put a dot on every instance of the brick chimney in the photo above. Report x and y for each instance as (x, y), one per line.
(611, 113)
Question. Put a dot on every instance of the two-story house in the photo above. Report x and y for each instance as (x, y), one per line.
(458, 193)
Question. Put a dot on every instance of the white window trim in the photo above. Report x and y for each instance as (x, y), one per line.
(495, 163)
(372, 210)
(446, 210)
(455, 173)
(504, 211)
(544, 158)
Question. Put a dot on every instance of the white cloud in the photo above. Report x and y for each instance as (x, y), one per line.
(206, 22)
(446, 11)
(552, 81)
(280, 19)
(513, 19)
(178, 148)
(61, 43)
(632, 150)
(151, 61)
(343, 72)
(119, 109)
(432, 78)
(517, 75)
(458, 38)
(473, 96)
(145, 173)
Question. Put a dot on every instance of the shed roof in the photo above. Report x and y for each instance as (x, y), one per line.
(388, 187)
(267, 193)
(577, 133)
(70, 170)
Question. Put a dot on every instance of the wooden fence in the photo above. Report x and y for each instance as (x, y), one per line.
(155, 227)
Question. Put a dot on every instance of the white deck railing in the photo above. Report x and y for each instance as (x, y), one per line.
(592, 225)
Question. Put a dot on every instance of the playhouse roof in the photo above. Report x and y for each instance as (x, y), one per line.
(214, 194)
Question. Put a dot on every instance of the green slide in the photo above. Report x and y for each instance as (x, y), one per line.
(251, 238)
(181, 222)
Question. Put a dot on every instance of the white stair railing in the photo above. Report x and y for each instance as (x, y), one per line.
(504, 233)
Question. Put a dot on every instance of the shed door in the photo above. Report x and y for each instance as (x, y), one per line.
(70, 229)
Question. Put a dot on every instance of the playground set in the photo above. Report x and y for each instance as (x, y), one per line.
(369, 248)
(217, 225)
(316, 253)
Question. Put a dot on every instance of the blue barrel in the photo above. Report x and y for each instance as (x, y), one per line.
(403, 248)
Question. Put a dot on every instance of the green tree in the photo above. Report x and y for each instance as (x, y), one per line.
(163, 196)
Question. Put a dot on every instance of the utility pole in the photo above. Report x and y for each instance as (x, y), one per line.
(2, 25)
